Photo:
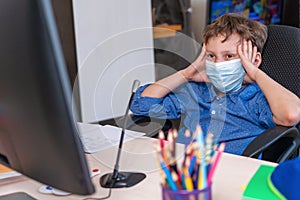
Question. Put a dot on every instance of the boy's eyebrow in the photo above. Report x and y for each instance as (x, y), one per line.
(230, 52)
(207, 51)
(227, 51)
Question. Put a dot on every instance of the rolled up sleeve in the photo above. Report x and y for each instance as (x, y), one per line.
(167, 107)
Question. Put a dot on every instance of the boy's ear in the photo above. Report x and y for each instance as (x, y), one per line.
(258, 59)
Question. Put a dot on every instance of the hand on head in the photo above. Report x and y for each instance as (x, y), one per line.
(196, 71)
(250, 59)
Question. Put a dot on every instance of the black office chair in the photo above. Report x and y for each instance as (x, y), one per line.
(281, 61)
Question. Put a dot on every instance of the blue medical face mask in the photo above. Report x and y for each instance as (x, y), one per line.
(226, 76)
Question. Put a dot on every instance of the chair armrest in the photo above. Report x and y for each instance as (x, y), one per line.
(276, 144)
(149, 125)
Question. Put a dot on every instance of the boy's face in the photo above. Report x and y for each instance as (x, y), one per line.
(223, 66)
(218, 51)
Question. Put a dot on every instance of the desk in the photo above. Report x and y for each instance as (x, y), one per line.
(163, 31)
(138, 155)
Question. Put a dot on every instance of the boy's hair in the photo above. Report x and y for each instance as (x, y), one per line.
(230, 23)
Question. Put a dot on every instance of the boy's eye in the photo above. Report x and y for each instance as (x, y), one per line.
(210, 56)
(229, 56)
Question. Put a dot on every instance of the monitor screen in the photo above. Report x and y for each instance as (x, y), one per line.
(38, 134)
(264, 11)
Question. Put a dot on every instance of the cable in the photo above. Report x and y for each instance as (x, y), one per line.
(102, 198)
(92, 198)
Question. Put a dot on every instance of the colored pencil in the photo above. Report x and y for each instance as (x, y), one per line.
(187, 179)
(199, 163)
(202, 181)
(170, 181)
(208, 147)
(215, 162)
(161, 137)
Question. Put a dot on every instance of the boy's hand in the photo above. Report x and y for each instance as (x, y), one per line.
(196, 71)
(248, 54)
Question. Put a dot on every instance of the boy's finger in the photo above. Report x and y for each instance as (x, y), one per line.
(245, 47)
(249, 45)
(203, 51)
(254, 52)
(240, 51)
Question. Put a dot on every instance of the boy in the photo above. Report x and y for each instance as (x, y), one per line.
(223, 90)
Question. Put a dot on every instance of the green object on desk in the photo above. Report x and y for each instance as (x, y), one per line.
(258, 187)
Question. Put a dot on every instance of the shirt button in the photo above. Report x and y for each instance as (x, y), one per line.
(213, 112)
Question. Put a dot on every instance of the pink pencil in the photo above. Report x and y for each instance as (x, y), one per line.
(161, 137)
(215, 163)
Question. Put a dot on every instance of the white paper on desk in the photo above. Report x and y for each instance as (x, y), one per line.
(96, 137)
(9, 174)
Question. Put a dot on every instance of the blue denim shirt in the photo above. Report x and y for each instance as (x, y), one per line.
(235, 118)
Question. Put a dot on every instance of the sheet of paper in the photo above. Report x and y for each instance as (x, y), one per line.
(96, 137)
(6, 172)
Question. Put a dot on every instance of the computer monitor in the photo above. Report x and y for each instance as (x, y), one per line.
(264, 11)
(38, 134)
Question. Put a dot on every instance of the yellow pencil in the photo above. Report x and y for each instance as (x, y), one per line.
(187, 179)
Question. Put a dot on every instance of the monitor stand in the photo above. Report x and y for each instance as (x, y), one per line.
(17, 196)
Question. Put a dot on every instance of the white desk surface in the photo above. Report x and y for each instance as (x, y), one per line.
(232, 173)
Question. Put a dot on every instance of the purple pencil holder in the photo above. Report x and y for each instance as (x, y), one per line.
(204, 194)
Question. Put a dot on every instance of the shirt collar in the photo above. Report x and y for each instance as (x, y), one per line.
(245, 91)
(212, 94)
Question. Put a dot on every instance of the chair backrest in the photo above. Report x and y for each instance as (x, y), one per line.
(281, 56)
